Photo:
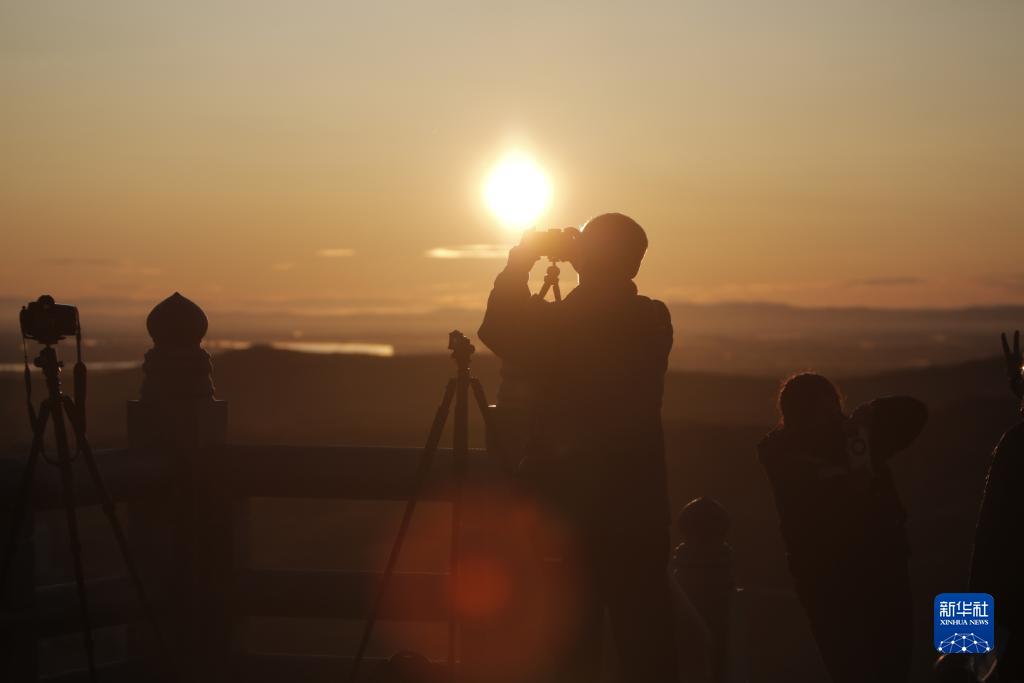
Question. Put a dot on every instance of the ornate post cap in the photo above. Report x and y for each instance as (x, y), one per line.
(177, 367)
(703, 562)
(703, 521)
(177, 321)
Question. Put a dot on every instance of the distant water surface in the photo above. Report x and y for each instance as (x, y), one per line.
(219, 345)
(98, 366)
(356, 348)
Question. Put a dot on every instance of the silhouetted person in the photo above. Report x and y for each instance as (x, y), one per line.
(997, 567)
(843, 524)
(596, 363)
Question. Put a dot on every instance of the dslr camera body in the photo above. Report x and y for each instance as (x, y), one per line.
(47, 322)
(556, 244)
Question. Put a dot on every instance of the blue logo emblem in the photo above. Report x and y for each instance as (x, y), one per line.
(964, 623)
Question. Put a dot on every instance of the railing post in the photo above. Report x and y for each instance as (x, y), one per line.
(190, 545)
(703, 568)
(18, 645)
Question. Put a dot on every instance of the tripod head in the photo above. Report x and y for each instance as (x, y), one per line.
(47, 360)
(462, 349)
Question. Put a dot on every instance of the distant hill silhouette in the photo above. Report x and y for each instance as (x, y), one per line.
(760, 339)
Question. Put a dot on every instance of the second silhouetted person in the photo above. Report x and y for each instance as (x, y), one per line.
(843, 524)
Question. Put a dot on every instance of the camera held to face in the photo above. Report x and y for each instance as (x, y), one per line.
(557, 245)
(47, 322)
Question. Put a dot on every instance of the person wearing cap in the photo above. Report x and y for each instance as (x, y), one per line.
(595, 362)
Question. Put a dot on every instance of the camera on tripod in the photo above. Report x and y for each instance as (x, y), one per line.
(47, 322)
(556, 244)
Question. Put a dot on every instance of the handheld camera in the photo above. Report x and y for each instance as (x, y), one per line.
(557, 245)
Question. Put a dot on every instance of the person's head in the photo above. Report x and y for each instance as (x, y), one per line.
(611, 248)
(809, 401)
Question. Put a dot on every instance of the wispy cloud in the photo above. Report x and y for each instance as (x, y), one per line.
(106, 266)
(1008, 282)
(335, 252)
(895, 281)
(65, 261)
(469, 251)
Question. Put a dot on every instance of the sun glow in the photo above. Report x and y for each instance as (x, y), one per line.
(517, 191)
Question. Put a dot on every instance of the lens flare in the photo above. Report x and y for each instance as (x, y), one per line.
(517, 191)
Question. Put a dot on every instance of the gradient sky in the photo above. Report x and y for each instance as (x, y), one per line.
(815, 153)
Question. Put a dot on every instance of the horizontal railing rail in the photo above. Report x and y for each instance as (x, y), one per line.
(277, 471)
(153, 476)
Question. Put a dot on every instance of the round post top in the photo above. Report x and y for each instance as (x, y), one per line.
(704, 521)
(177, 321)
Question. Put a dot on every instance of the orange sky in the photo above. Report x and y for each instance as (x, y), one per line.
(811, 153)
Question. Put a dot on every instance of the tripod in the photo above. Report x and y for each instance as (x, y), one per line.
(551, 282)
(458, 388)
(56, 407)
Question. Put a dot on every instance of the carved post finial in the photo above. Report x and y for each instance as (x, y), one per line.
(177, 367)
(704, 521)
(703, 568)
(705, 556)
(177, 321)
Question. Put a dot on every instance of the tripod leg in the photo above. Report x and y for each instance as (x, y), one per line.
(68, 488)
(107, 503)
(21, 502)
(460, 452)
(426, 460)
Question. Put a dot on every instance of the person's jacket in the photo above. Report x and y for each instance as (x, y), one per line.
(997, 566)
(596, 363)
(838, 507)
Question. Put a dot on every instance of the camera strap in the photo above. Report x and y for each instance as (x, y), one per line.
(28, 386)
(79, 375)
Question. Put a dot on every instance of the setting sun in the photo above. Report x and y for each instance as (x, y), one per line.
(517, 191)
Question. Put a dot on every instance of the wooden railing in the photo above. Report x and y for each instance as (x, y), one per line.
(183, 489)
(147, 479)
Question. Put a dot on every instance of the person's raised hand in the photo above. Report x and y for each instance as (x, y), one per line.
(1014, 361)
(523, 256)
